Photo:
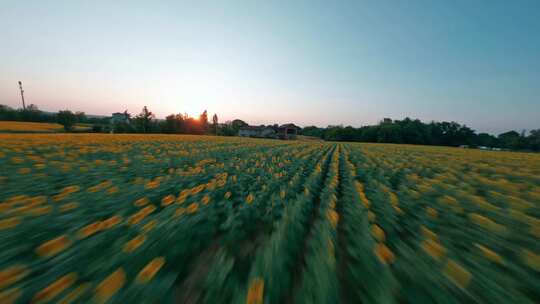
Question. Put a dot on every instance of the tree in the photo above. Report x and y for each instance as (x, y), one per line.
(389, 133)
(192, 125)
(173, 124)
(509, 140)
(413, 131)
(127, 115)
(333, 133)
(169, 125)
(67, 119)
(7, 113)
(534, 140)
(486, 140)
(237, 124)
(122, 127)
(32, 108)
(203, 120)
(81, 116)
(313, 131)
(227, 129)
(144, 120)
(31, 113)
(215, 124)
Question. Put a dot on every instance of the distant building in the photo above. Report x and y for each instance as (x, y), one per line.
(288, 131)
(257, 131)
(117, 120)
(119, 117)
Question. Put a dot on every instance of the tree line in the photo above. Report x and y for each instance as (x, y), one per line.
(406, 131)
(414, 131)
(144, 122)
(33, 114)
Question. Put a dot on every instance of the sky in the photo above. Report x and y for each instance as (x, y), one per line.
(307, 62)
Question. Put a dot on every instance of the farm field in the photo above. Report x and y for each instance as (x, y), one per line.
(199, 219)
(24, 126)
(37, 127)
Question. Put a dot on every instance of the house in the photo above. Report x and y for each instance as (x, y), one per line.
(288, 131)
(119, 117)
(257, 131)
(119, 121)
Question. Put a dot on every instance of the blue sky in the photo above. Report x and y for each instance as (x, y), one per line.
(308, 62)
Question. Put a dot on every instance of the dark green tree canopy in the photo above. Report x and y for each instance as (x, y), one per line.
(413, 131)
(67, 119)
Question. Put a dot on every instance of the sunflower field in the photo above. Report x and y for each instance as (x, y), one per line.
(100, 218)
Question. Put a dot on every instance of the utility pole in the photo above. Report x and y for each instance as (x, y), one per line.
(22, 95)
